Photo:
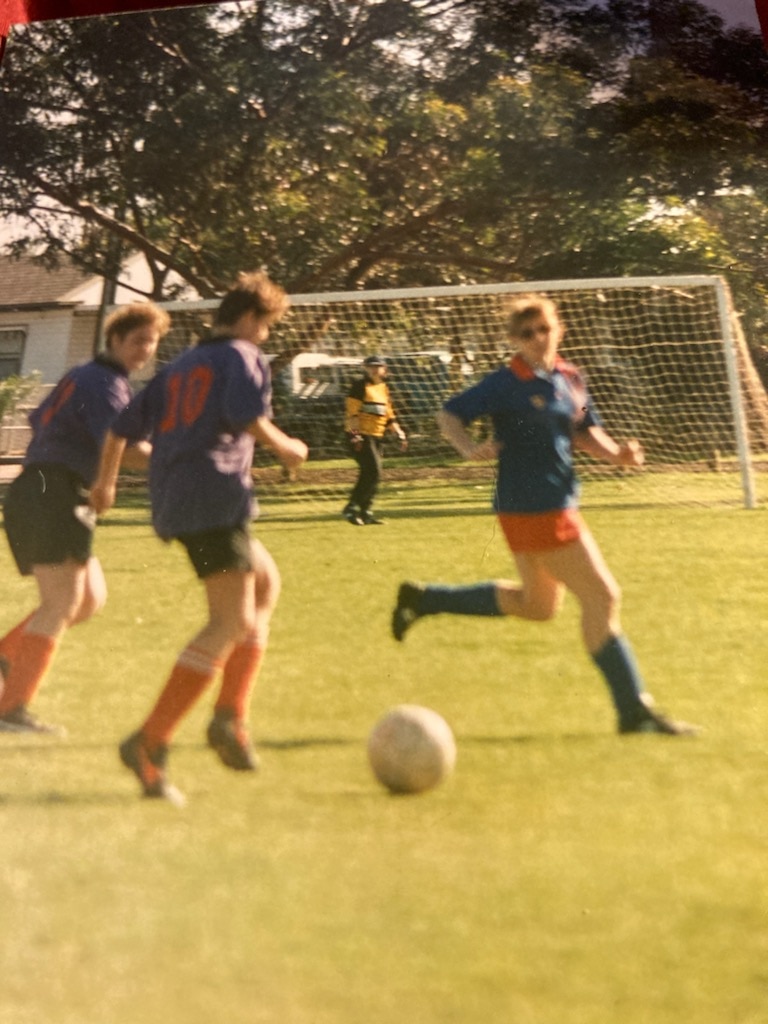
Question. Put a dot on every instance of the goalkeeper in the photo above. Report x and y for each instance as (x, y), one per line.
(369, 415)
(541, 411)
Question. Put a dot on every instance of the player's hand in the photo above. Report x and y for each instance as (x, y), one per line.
(631, 454)
(293, 453)
(403, 442)
(101, 497)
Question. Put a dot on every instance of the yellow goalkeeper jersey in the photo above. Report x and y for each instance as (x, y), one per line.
(369, 408)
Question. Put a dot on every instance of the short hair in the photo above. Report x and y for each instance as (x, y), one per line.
(525, 308)
(136, 314)
(253, 293)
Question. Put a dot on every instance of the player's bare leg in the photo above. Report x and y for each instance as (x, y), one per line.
(537, 598)
(70, 593)
(583, 570)
(228, 733)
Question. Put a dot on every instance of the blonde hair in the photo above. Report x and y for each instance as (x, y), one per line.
(252, 293)
(525, 308)
(136, 314)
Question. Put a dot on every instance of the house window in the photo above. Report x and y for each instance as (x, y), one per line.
(11, 351)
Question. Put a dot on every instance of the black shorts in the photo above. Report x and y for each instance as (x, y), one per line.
(47, 517)
(224, 549)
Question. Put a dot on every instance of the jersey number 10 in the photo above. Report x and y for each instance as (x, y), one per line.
(185, 397)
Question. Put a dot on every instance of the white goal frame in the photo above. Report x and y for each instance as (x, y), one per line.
(734, 351)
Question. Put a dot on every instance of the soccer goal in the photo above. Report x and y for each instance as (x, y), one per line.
(665, 360)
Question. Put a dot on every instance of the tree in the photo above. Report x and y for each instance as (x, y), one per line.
(385, 142)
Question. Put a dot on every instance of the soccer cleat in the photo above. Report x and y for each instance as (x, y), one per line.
(353, 515)
(149, 768)
(229, 737)
(407, 609)
(369, 519)
(21, 720)
(648, 720)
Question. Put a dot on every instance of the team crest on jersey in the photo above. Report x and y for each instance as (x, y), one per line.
(538, 402)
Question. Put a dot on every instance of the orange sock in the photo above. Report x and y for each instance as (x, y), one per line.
(240, 672)
(191, 675)
(9, 644)
(34, 654)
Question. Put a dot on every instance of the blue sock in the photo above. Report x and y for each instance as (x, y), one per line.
(473, 599)
(617, 663)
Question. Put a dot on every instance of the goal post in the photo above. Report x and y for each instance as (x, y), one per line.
(729, 328)
(664, 358)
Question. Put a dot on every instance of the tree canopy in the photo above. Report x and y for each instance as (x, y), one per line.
(375, 143)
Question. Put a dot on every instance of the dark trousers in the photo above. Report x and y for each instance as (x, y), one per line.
(369, 460)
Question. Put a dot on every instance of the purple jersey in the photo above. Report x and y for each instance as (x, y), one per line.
(534, 416)
(196, 411)
(69, 425)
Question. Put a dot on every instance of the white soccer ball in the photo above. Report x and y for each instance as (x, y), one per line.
(411, 748)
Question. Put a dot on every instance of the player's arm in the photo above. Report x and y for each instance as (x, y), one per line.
(455, 432)
(104, 488)
(394, 426)
(399, 433)
(136, 456)
(600, 445)
(290, 450)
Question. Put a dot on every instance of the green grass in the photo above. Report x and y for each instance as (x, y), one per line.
(563, 875)
(419, 484)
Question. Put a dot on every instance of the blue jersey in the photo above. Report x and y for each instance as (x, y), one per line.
(195, 412)
(68, 427)
(534, 417)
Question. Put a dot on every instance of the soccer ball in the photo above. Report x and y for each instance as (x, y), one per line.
(411, 748)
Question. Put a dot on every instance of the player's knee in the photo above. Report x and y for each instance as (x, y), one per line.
(267, 584)
(92, 603)
(608, 598)
(268, 594)
(242, 626)
(539, 611)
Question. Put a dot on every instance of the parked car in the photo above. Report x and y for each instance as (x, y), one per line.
(309, 394)
(310, 390)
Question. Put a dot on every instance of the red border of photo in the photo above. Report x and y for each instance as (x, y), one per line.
(21, 12)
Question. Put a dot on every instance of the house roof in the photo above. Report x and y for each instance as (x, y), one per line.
(24, 283)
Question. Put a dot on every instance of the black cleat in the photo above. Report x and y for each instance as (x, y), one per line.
(149, 768)
(21, 720)
(648, 720)
(407, 609)
(229, 737)
(353, 515)
(369, 519)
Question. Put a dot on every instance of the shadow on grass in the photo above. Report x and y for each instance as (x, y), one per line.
(54, 798)
(539, 737)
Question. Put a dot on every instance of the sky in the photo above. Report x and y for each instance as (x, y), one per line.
(735, 12)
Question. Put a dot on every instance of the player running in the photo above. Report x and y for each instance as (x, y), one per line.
(204, 412)
(47, 519)
(541, 411)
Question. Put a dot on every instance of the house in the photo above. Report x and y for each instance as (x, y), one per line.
(50, 321)
(41, 330)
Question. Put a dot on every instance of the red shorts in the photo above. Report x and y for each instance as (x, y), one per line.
(541, 531)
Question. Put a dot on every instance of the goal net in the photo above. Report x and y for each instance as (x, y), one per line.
(664, 358)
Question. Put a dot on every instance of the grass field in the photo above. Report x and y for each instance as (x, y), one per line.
(563, 875)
